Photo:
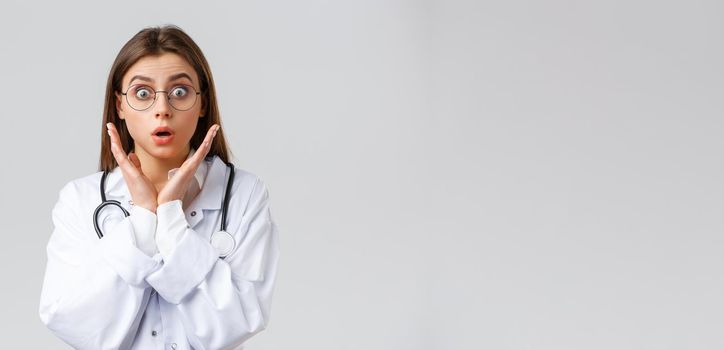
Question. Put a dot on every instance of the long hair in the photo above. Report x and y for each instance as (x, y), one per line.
(153, 41)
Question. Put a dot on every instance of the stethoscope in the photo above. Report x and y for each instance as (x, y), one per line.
(222, 240)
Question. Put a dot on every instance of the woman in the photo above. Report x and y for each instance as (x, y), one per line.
(165, 274)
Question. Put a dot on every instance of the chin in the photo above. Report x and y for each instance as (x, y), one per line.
(164, 152)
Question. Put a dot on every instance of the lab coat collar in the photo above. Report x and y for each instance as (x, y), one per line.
(209, 198)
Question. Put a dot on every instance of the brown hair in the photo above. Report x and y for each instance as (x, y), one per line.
(153, 41)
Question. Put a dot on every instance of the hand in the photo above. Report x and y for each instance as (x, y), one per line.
(176, 187)
(143, 192)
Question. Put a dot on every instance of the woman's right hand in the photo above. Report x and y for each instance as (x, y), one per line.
(143, 192)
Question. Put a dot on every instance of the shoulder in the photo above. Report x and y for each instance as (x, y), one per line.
(249, 194)
(82, 187)
(248, 185)
(76, 201)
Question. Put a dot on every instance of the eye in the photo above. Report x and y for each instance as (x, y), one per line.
(142, 92)
(179, 91)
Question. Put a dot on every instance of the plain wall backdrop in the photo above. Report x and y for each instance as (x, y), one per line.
(444, 174)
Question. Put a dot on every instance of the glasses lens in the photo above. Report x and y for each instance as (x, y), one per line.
(140, 97)
(182, 97)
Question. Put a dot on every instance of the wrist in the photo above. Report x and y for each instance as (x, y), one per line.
(148, 206)
(162, 201)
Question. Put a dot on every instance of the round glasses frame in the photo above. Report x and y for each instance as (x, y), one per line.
(168, 97)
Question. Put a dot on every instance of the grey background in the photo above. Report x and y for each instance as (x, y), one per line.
(444, 174)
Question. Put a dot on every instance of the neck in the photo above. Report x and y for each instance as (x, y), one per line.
(156, 169)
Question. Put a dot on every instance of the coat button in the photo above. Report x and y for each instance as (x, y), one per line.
(193, 213)
(173, 346)
(153, 333)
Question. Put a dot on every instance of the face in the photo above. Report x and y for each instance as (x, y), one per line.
(173, 74)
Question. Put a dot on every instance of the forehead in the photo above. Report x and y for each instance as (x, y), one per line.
(160, 68)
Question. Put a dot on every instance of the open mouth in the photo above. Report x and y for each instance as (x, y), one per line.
(163, 131)
(162, 135)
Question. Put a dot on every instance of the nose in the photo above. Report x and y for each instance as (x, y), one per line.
(162, 107)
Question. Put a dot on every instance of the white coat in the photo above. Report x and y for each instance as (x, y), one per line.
(107, 294)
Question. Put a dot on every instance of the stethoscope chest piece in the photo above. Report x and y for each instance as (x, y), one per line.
(223, 242)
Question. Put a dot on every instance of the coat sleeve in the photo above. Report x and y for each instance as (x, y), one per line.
(94, 291)
(223, 302)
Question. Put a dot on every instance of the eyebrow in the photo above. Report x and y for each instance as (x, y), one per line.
(171, 78)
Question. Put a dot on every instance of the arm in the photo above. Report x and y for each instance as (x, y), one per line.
(94, 291)
(223, 301)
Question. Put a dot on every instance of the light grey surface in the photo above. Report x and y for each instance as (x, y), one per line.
(444, 174)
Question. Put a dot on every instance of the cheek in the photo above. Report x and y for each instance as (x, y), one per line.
(135, 127)
(190, 122)
(189, 132)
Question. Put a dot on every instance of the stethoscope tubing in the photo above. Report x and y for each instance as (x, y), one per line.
(105, 202)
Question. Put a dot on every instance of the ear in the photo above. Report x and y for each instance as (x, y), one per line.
(119, 105)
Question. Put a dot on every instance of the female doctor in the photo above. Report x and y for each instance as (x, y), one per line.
(169, 246)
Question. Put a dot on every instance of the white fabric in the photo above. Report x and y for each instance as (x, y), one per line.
(110, 294)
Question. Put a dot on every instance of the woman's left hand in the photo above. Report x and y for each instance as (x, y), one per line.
(176, 187)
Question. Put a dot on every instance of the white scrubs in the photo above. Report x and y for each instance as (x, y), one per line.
(120, 293)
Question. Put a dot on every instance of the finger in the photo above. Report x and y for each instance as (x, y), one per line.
(112, 132)
(205, 147)
(118, 153)
(189, 167)
(208, 140)
(116, 148)
(134, 159)
(115, 140)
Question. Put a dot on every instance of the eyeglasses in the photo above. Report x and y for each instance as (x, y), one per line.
(142, 97)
